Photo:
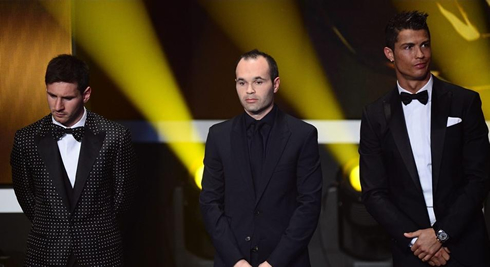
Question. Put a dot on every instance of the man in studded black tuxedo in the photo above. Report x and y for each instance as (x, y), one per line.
(262, 181)
(73, 174)
(425, 158)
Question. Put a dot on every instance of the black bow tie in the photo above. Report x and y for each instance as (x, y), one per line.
(422, 97)
(59, 132)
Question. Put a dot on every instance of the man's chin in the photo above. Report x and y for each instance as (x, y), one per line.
(255, 111)
(423, 76)
(60, 120)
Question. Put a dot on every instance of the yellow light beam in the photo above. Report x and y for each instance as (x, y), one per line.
(466, 29)
(119, 37)
(354, 179)
(351, 171)
(274, 26)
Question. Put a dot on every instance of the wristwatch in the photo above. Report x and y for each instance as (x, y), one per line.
(442, 236)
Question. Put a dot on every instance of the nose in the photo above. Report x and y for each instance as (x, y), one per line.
(250, 88)
(419, 53)
(58, 105)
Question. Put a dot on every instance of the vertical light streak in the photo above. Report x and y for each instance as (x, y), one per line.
(119, 37)
(275, 26)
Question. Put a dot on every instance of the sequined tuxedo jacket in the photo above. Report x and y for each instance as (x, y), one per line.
(82, 221)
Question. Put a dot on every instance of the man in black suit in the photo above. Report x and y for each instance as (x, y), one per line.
(424, 158)
(262, 181)
(73, 174)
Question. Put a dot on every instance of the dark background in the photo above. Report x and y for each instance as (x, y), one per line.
(165, 227)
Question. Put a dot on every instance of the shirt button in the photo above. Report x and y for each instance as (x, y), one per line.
(255, 249)
(247, 238)
(257, 212)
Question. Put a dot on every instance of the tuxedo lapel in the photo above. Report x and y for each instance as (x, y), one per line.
(441, 105)
(278, 138)
(239, 151)
(400, 136)
(50, 154)
(89, 150)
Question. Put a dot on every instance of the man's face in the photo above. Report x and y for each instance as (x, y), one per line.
(411, 55)
(66, 102)
(254, 86)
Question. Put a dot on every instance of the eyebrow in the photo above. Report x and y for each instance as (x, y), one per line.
(255, 78)
(64, 96)
(51, 94)
(411, 43)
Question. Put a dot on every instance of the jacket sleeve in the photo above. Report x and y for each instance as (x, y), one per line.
(375, 182)
(304, 220)
(476, 148)
(21, 178)
(211, 201)
(124, 174)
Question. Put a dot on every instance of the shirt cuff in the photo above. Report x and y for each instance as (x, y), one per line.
(412, 242)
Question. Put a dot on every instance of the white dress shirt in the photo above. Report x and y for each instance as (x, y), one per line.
(418, 120)
(70, 149)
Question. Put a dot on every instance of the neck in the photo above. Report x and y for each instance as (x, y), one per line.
(261, 114)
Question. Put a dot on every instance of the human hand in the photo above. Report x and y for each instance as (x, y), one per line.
(440, 258)
(242, 263)
(265, 264)
(426, 245)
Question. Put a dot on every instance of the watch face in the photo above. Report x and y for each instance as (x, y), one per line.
(442, 236)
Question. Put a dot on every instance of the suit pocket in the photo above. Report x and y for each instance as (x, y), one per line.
(455, 132)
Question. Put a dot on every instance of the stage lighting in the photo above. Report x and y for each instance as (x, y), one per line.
(198, 176)
(351, 172)
(354, 179)
(360, 236)
(120, 38)
(317, 99)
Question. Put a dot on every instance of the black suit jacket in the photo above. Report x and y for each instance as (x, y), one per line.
(277, 222)
(83, 222)
(460, 175)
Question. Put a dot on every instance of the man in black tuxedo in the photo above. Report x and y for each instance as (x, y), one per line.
(262, 181)
(425, 158)
(73, 174)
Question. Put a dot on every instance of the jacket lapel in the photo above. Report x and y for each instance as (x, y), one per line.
(239, 151)
(400, 136)
(441, 105)
(50, 154)
(278, 138)
(91, 145)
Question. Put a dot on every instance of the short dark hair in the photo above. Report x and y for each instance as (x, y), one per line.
(273, 69)
(412, 20)
(69, 69)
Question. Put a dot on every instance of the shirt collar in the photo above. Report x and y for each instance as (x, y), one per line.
(268, 118)
(79, 123)
(427, 87)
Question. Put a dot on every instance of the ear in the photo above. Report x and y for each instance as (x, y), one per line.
(277, 82)
(389, 54)
(86, 94)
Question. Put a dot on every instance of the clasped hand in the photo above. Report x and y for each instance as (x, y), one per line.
(428, 248)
